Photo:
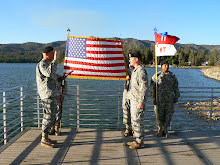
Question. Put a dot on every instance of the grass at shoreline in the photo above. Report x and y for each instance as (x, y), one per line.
(185, 67)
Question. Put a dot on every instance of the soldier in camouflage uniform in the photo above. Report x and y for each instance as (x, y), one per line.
(126, 104)
(138, 97)
(47, 82)
(168, 94)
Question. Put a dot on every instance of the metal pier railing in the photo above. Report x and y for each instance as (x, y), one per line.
(198, 108)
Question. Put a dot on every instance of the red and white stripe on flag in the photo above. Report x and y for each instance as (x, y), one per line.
(94, 58)
(164, 45)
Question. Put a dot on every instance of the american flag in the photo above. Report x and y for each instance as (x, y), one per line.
(94, 58)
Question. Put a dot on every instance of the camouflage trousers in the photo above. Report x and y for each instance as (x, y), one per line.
(51, 113)
(165, 113)
(126, 111)
(58, 113)
(137, 120)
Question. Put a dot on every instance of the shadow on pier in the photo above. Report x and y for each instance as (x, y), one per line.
(102, 146)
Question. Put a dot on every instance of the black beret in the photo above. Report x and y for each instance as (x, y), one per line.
(164, 62)
(135, 54)
(47, 49)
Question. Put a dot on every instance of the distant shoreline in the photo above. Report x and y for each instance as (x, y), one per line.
(150, 66)
(185, 67)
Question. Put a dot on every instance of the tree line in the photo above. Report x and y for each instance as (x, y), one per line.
(26, 57)
(186, 56)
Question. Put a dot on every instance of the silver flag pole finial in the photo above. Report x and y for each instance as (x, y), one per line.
(68, 30)
(155, 30)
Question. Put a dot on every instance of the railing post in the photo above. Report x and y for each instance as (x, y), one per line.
(78, 108)
(119, 107)
(211, 105)
(38, 110)
(4, 117)
(21, 108)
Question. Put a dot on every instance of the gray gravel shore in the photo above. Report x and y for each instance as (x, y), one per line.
(213, 72)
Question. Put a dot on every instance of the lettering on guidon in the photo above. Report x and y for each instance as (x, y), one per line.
(162, 49)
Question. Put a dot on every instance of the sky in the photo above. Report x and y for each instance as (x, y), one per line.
(45, 21)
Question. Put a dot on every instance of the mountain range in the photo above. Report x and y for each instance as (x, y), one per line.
(35, 48)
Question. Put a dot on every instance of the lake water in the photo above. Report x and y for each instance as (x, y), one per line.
(14, 74)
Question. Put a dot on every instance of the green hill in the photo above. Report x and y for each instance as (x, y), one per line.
(31, 51)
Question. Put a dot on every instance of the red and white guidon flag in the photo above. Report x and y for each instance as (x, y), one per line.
(94, 58)
(164, 45)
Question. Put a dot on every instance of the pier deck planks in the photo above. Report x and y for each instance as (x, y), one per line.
(102, 146)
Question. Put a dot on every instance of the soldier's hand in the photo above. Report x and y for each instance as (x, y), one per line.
(155, 102)
(175, 101)
(128, 77)
(140, 106)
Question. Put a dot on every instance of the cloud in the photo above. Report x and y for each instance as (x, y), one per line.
(77, 21)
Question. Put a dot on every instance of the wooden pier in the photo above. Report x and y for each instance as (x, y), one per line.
(101, 146)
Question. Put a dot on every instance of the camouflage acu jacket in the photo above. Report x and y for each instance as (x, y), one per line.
(139, 85)
(48, 82)
(168, 89)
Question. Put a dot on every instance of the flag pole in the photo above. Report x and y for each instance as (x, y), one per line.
(61, 104)
(125, 62)
(156, 106)
(62, 85)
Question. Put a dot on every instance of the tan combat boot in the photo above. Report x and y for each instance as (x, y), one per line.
(131, 143)
(159, 132)
(46, 142)
(166, 132)
(137, 144)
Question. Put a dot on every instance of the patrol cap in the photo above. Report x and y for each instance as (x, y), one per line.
(47, 49)
(135, 54)
(164, 62)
